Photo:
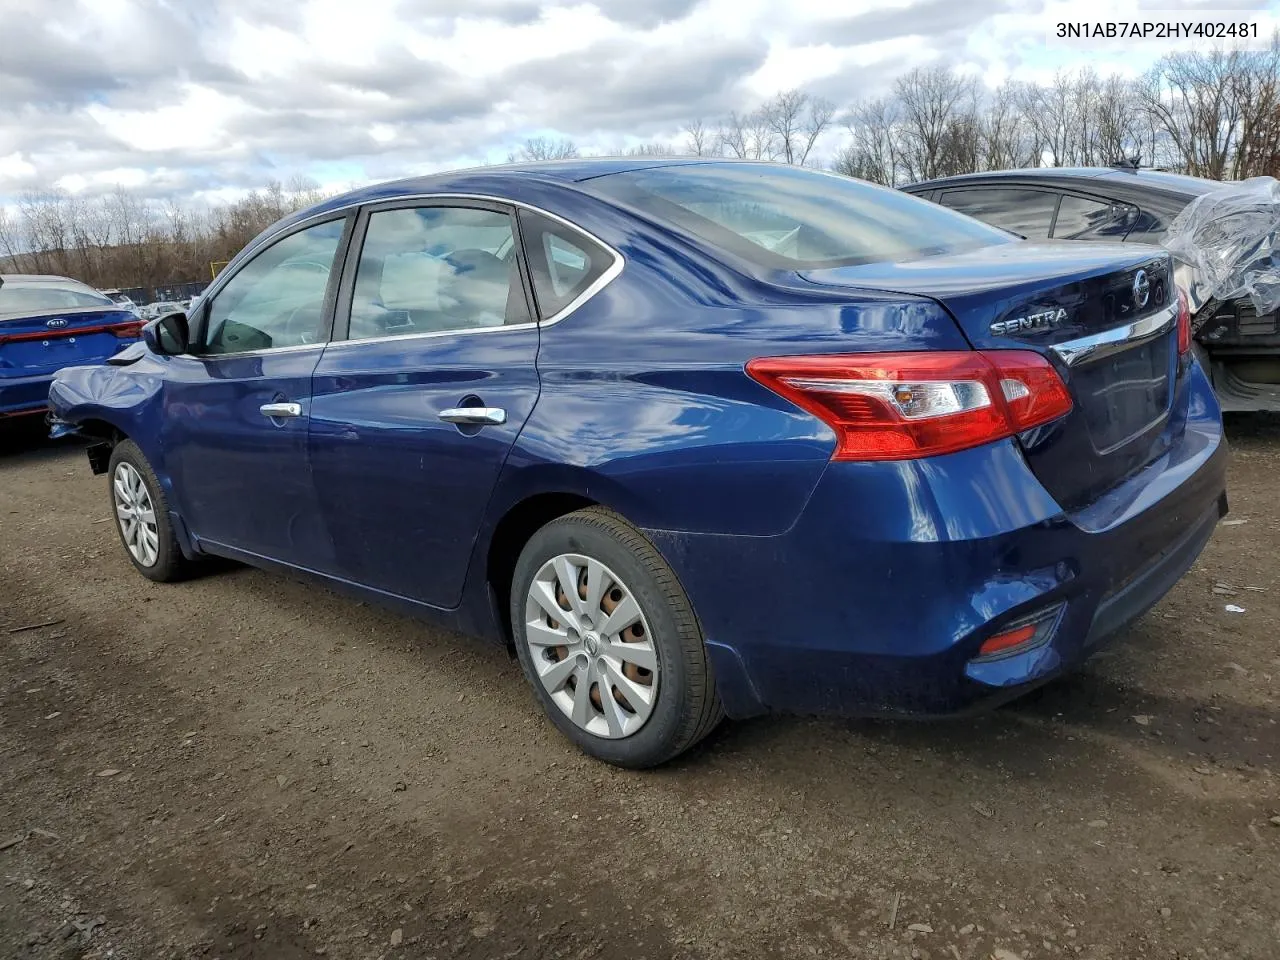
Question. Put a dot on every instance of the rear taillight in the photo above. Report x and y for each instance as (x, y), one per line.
(129, 330)
(1184, 323)
(900, 406)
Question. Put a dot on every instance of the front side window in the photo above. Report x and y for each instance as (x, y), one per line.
(562, 262)
(792, 218)
(1028, 213)
(277, 298)
(434, 270)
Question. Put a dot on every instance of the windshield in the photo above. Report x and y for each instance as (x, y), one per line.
(795, 219)
(21, 299)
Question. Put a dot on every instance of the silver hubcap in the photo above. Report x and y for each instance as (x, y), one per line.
(591, 647)
(135, 514)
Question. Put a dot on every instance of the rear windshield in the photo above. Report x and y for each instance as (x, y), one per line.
(21, 299)
(795, 219)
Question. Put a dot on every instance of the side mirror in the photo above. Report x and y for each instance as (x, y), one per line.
(168, 335)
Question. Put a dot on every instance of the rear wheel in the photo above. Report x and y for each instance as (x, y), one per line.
(609, 642)
(141, 512)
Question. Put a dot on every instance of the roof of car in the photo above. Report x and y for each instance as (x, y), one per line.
(571, 171)
(565, 171)
(481, 180)
(1152, 179)
(25, 278)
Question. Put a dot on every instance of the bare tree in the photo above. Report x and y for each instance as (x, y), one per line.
(1118, 121)
(747, 136)
(1051, 112)
(1194, 97)
(699, 139)
(796, 120)
(650, 150)
(931, 103)
(1256, 86)
(121, 240)
(872, 153)
(1007, 138)
(544, 148)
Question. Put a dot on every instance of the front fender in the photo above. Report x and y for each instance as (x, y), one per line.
(129, 399)
(114, 395)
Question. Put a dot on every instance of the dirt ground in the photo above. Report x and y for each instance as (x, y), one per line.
(244, 766)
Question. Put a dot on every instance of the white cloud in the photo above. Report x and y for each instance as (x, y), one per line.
(213, 99)
(16, 167)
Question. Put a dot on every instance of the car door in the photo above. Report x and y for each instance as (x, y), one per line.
(420, 397)
(236, 405)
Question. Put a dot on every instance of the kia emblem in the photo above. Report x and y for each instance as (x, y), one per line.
(56, 323)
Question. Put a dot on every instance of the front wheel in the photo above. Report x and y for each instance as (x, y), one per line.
(141, 512)
(609, 641)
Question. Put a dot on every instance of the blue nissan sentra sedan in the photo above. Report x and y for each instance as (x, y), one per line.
(694, 438)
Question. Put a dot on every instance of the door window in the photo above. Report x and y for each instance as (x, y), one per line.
(1025, 212)
(434, 270)
(276, 299)
(562, 262)
(1080, 218)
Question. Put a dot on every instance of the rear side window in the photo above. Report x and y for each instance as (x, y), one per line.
(791, 218)
(1080, 218)
(19, 299)
(562, 262)
(1025, 212)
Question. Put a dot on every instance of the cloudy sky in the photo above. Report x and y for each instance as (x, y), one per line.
(202, 100)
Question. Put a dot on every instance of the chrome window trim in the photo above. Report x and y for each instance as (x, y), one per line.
(602, 281)
(292, 348)
(611, 274)
(432, 334)
(1108, 342)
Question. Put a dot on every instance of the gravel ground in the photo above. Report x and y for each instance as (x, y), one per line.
(245, 766)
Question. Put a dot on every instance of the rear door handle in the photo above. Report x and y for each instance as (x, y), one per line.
(481, 415)
(281, 410)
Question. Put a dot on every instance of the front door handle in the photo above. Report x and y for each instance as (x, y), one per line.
(480, 415)
(281, 410)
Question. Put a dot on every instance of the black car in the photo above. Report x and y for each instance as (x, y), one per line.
(1239, 349)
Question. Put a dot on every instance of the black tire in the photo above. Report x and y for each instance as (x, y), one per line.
(170, 565)
(687, 707)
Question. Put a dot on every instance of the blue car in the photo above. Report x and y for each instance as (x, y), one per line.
(51, 322)
(693, 438)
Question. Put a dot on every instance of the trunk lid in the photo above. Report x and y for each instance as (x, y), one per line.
(42, 343)
(1082, 306)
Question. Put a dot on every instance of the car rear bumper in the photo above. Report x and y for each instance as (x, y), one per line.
(878, 599)
(24, 395)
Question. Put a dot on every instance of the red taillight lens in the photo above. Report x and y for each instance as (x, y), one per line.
(900, 406)
(1184, 323)
(131, 329)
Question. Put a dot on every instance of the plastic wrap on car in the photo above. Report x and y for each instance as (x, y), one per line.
(1229, 241)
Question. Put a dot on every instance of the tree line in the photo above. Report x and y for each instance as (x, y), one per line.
(122, 240)
(1212, 114)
